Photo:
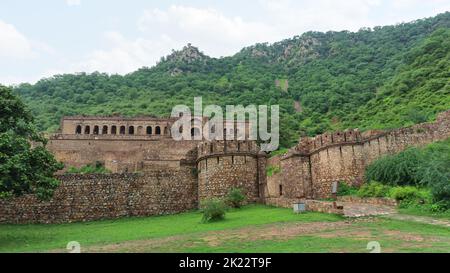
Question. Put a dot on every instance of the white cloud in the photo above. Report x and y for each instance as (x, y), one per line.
(125, 55)
(216, 32)
(295, 17)
(71, 3)
(14, 44)
(207, 28)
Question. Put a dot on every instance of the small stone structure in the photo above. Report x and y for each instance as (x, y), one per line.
(169, 176)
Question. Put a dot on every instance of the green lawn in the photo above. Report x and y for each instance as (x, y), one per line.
(30, 238)
(253, 229)
(422, 212)
(392, 235)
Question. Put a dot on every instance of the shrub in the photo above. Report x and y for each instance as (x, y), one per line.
(396, 170)
(410, 195)
(98, 168)
(344, 189)
(235, 198)
(374, 189)
(426, 167)
(213, 210)
(435, 172)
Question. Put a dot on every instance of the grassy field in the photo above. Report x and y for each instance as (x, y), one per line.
(252, 229)
(420, 212)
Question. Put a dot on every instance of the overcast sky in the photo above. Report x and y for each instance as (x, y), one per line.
(42, 38)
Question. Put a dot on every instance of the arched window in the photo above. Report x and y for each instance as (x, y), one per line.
(213, 129)
(96, 130)
(122, 130)
(78, 130)
(195, 132)
(114, 130)
(105, 130)
(87, 130)
(149, 130)
(131, 130)
(158, 130)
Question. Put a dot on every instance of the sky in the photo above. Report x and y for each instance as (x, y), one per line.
(43, 38)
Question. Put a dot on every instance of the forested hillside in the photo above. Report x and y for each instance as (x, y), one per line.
(375, 78)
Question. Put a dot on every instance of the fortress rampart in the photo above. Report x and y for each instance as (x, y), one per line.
(310, 168)
(226, 164)
(110, 196)
(174, 176)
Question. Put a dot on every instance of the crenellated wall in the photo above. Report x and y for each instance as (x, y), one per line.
(177, 175)
(223, 165)
(310, 168)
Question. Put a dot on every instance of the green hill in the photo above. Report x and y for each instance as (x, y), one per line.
(375, 78)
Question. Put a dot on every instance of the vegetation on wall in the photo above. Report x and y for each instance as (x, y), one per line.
(272, 170)
(23, 168)
(375, 78)
(96, 168)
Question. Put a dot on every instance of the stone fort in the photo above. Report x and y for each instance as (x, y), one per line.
(152, 174)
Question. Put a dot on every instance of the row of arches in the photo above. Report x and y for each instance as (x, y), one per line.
(120, 130)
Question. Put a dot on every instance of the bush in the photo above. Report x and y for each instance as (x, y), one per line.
(235, 198)
(98, 168)
(213, 210)
(373, 189)
(396, 170)
(410, 195)
(426, 167)
(435, 172)
(344, 189)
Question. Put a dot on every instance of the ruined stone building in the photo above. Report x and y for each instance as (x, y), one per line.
(153, 174)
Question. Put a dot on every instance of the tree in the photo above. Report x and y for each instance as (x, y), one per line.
(25, 165)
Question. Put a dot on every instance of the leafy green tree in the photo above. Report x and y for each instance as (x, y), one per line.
(25, 165)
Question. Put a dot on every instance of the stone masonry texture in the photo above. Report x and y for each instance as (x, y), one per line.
(153, 175)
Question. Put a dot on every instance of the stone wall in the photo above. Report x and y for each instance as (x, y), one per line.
(310, 168)
(310, 205)
(372, 200)
(94, 197)
(223, 165)
(122, 154)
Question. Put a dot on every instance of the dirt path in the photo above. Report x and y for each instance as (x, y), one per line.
(363, 210)
(420, 219)
(359, 229)
(215, 238)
